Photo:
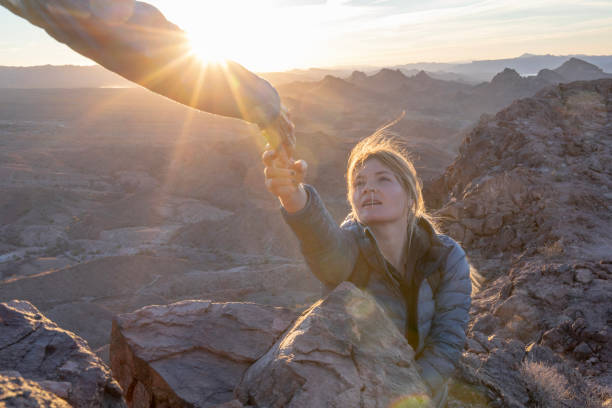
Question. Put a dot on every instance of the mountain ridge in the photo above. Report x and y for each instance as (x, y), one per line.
(471, 72)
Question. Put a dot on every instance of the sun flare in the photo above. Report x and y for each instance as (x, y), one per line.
(206, 50)
(254, 34)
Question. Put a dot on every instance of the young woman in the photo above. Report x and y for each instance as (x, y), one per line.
(387, 246)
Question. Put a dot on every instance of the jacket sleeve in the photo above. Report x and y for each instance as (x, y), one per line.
(329, 251)
(446, 338)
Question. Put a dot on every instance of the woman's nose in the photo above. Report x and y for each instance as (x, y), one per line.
(369, 188)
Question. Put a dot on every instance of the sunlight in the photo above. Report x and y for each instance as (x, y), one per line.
(241, 33)
(255, 34)
(206, 50)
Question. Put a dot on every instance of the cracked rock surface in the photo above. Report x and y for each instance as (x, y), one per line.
(342, 352)
(58, 360)
(528, 197)
(191, 353)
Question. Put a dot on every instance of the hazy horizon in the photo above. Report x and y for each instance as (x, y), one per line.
(280, 35)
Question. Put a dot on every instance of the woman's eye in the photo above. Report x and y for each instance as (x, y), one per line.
(385, 179)
(358, 184)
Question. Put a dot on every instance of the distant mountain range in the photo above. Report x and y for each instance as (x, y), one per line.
(390, 90)
(475, 72)
(526, 64)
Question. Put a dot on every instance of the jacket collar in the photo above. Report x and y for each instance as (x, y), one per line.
(423, 238)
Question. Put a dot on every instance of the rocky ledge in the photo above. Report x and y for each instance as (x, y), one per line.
(343, 351)
(33, 349)
(529, 199)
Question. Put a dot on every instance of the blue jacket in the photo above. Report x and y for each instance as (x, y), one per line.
(431, 306)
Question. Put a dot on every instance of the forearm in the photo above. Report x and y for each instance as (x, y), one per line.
(296, 202)
(329, 251)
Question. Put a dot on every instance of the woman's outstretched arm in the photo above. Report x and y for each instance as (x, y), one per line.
(329, 251)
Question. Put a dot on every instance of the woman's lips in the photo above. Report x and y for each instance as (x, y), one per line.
(369, 203)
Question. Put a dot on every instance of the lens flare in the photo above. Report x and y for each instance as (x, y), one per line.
(411, 401)
(206, 50)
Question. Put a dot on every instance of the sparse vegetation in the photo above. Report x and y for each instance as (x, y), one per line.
(546, 386)
(600, 397)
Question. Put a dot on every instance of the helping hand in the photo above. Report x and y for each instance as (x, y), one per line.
(284, 177)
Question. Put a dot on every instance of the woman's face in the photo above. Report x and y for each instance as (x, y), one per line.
(378, 196)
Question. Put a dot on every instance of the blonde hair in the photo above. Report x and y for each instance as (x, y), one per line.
(385, 146)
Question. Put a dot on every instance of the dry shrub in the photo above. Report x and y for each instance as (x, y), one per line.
(599, 396)
(546, 386)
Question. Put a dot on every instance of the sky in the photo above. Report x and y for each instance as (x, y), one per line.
(275, 35)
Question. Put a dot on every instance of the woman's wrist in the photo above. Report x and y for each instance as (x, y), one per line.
(296, 201)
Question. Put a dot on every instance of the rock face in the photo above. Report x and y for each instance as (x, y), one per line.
(343, 352)
(191, 353)
(39, 350)
(532, 180)
(17, 392)
(529, 198)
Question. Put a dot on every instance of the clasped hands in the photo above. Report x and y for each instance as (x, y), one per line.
(284, 177)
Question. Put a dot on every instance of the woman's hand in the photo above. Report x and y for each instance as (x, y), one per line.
(284, 177)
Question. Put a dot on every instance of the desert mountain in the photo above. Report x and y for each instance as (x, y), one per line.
(395, 85)
(526, 64)
(549, 76)
(578, 70)
(468, 72)
(431, 98)
(528, 196)
(471, 73)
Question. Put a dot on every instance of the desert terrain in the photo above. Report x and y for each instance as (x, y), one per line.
(115, 198)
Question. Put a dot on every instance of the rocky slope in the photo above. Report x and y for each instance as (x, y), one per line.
(529, 198)
(15, 391)
(343, 351)
(35, 349)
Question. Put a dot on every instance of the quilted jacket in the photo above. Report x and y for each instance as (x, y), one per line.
(433, 319)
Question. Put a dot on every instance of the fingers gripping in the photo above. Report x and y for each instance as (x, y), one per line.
(283, 175)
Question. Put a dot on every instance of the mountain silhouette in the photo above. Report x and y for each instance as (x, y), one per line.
(578, 70)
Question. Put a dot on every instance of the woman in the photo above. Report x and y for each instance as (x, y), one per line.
(387, 246)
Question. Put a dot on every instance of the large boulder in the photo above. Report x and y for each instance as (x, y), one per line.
(191, 353)
(342, 352)
(39, 350)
